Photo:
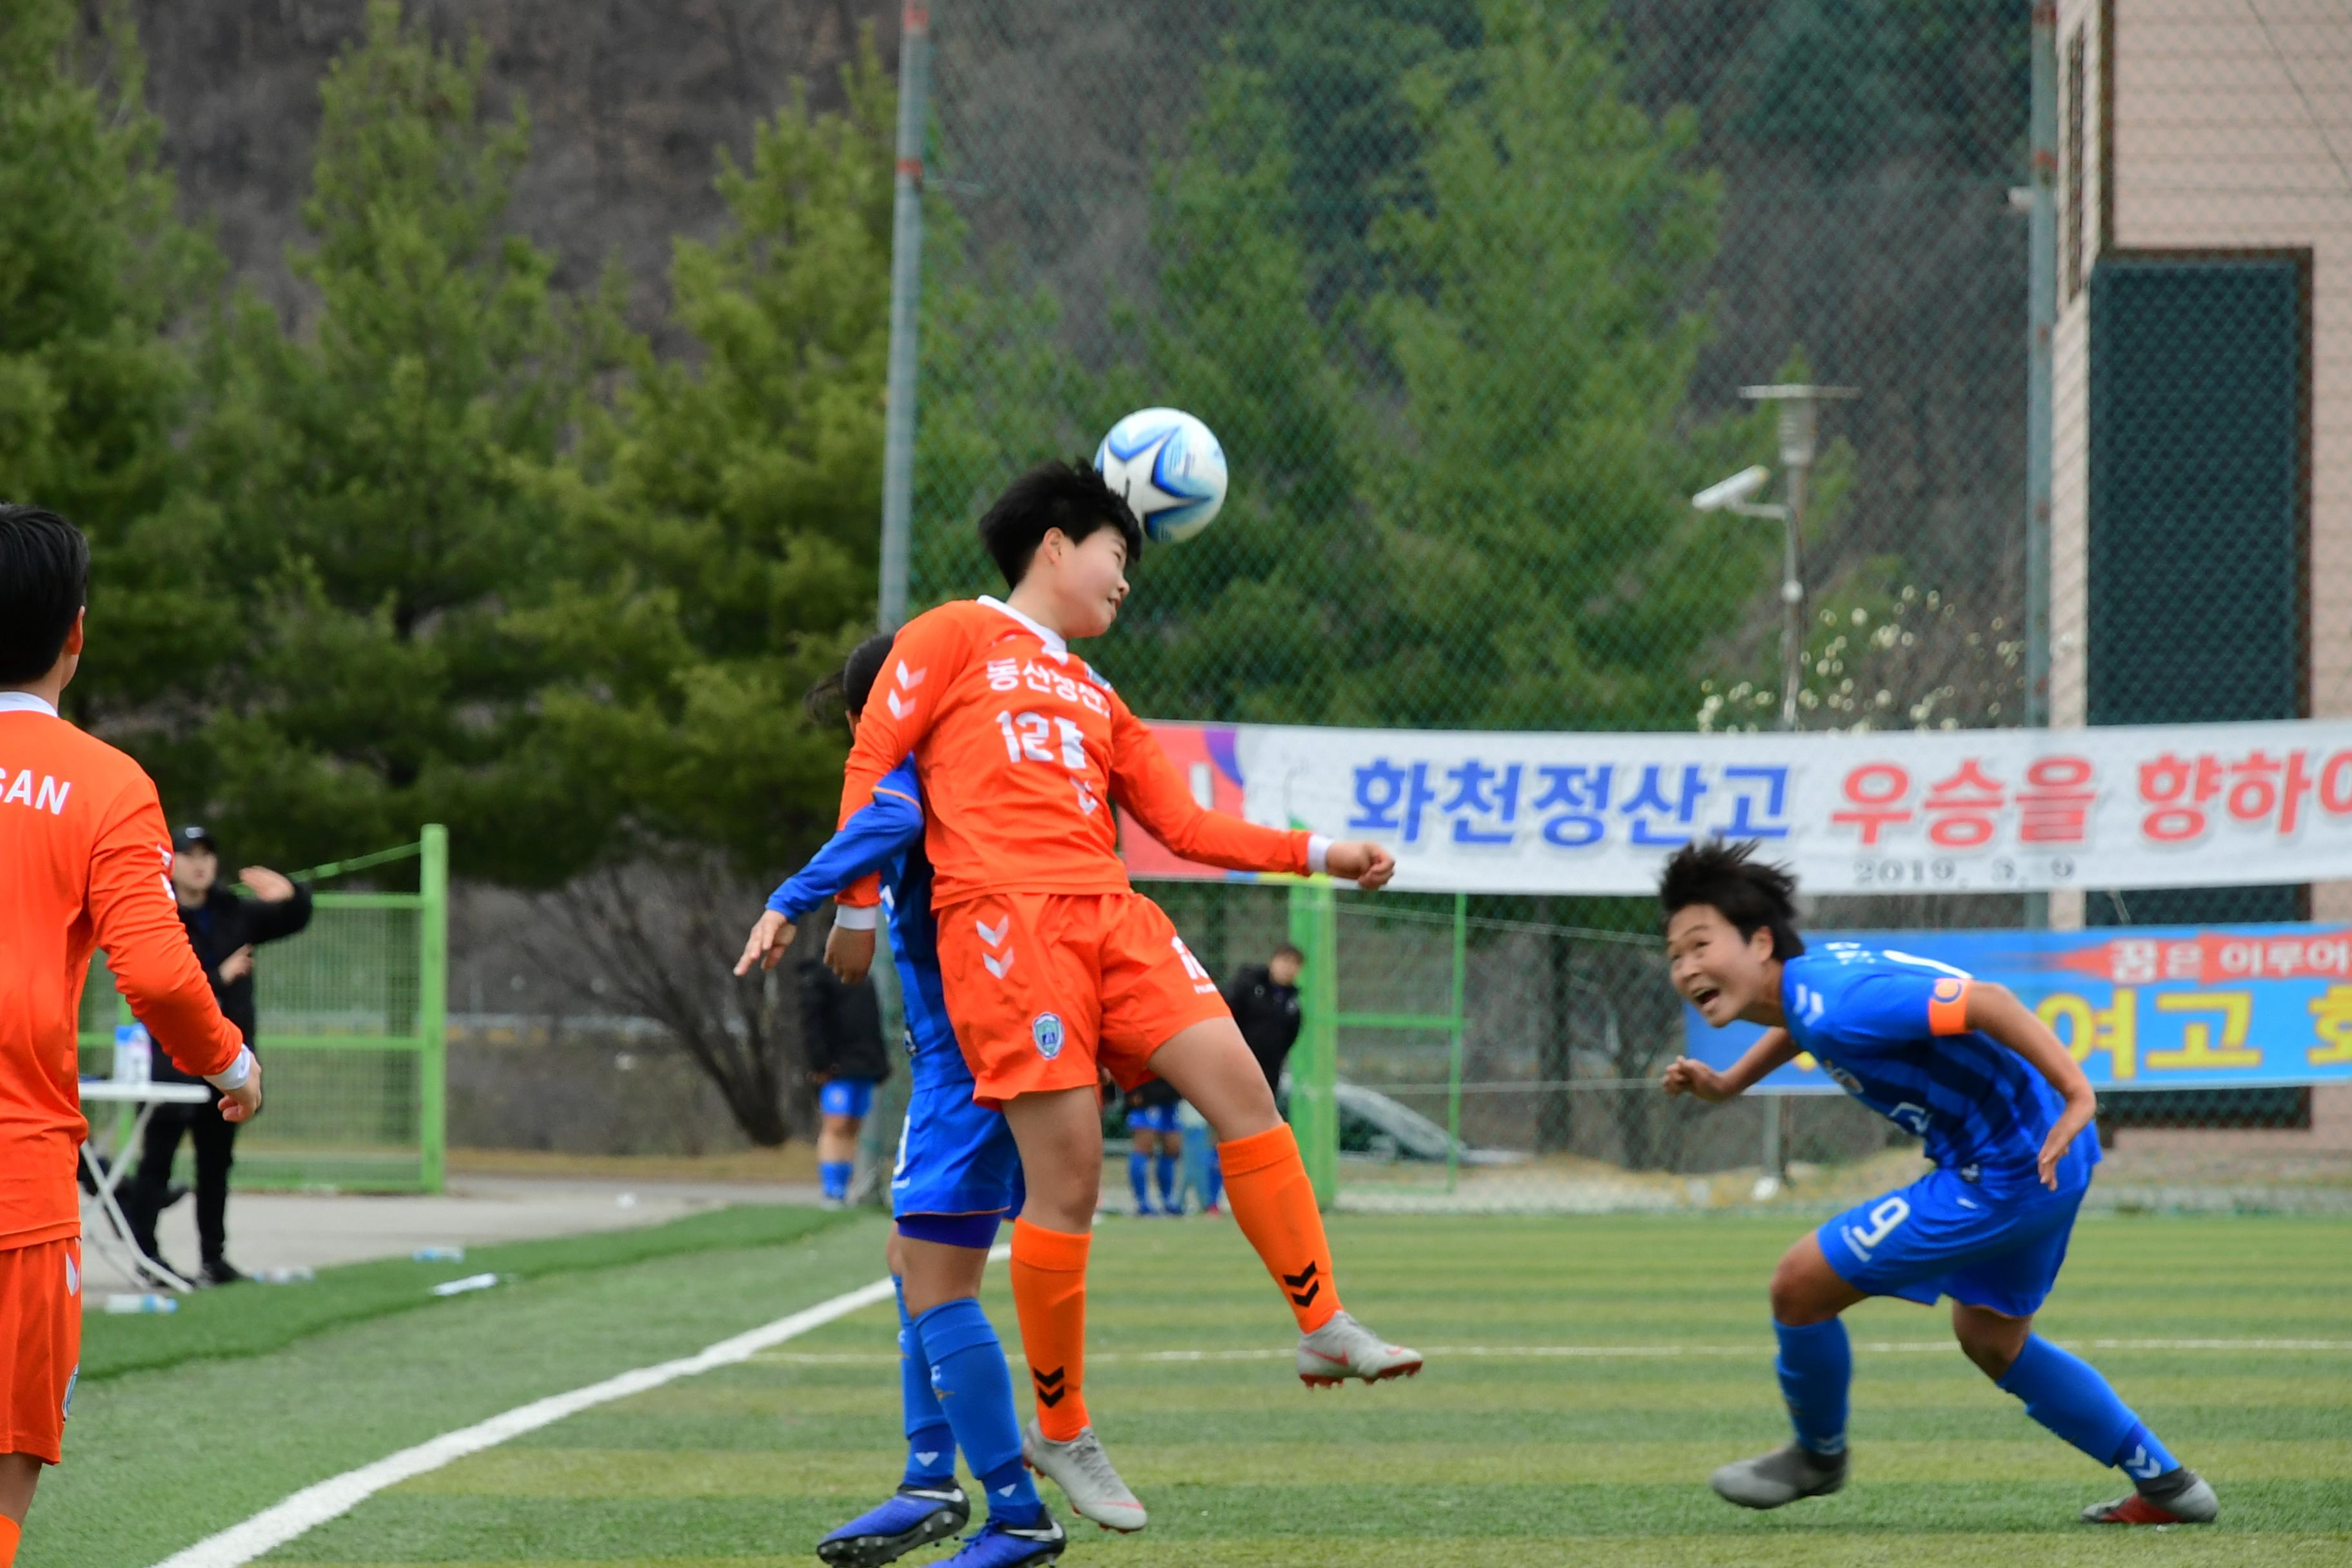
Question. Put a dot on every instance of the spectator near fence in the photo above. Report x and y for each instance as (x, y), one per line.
(223, 929)
(841, 1026)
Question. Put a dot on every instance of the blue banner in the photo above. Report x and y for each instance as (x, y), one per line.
(2147, 1007)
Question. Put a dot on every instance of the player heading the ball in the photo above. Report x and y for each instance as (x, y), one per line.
(2005, 1112)
(1052, 962)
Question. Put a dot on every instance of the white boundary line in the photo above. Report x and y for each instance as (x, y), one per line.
(314, 1505)
(1613, 1352)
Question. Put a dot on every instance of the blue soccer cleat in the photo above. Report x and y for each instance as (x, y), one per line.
(1001, 1545)
(913, 1517)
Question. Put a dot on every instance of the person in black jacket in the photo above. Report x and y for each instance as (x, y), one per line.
(223, 929)
(1265, 1000)
(840, 1025)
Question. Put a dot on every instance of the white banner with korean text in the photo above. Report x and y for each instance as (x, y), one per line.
(1943, 811)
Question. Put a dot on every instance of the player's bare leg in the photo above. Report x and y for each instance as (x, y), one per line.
(2161, 1494)
(1060, 1135)
(1814, 1366)
(19, 1474)
(1272, 1202)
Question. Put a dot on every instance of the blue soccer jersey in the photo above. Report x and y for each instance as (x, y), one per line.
(1892, 1030)
(886, 835)
(955, 1155)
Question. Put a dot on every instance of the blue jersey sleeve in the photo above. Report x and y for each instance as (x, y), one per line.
(1889, 1008)
(877, 833)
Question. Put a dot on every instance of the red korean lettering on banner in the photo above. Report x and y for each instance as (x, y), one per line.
(1876, 791)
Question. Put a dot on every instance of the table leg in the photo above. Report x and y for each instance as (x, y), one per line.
(124, 1248)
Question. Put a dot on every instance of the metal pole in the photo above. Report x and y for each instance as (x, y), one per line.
(2042, 322)
(906, 309)
(432, 1005)
(1453, 1043)
(1314, 1063)
(1793, 588)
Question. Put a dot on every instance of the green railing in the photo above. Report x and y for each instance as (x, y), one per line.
(352, 1033)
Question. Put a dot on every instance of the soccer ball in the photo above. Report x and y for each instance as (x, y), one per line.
(1171, 469)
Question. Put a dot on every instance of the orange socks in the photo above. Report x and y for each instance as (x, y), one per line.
(1049, 1293)
(10, 1533)
(1274, 1203)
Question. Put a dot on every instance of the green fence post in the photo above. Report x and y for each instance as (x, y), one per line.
(1315, 1064)
(433, 1006)
(1453, 1036)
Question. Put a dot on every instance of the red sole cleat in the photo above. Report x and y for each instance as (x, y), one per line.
(2138, 1510)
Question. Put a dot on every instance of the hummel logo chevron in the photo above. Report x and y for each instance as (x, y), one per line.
(1304, 1285)
(927, 1458)
(2140, 1466)
(997, 966)
(994, 938)
(900, 709)
(912, 680)
(1049, 1386)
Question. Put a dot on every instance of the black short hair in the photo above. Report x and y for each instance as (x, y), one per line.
(44, 583)
(846, 689)
(1728, 878)
(1069, 496)
(1287, 950)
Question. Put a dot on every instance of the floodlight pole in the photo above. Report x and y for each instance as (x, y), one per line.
(906, 308)
(1800, 410)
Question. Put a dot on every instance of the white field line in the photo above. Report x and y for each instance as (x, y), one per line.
(314, 1505)
(1607, 1353)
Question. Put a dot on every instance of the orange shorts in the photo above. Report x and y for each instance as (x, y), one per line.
(1041, 986)
(40, 1343)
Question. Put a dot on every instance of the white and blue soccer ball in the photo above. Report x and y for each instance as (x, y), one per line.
(1171, 469)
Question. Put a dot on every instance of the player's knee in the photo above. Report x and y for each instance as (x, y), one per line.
(1797, 1299)
(1989, 1340)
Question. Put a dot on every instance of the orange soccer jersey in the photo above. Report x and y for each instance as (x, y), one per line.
(84, 862)
(1022, 748)
(1050, 961)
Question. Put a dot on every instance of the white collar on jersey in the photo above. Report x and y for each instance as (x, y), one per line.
(1055, 642)
(25, 703)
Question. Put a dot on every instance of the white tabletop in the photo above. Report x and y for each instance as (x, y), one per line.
(105, 1089)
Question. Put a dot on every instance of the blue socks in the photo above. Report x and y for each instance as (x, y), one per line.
(1167, 1173)
(975, 1388)
(1208, 1176)
(1816, 1364)
(1138, 1167)
(930, 1446)
(2066, 1393)
(833, 1176)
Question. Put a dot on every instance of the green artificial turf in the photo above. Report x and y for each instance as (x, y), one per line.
(1585, 1375)
(245, 1321)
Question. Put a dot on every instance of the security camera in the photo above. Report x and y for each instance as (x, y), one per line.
(1730, 492)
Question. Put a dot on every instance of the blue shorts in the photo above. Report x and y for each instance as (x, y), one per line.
(1151, 1118)
(846, 1096)
(955, 1157)
(1943, 1236)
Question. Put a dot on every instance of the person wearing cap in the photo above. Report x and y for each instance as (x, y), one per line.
(224, 929)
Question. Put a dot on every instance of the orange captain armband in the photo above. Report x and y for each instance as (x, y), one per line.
(1947, 1007)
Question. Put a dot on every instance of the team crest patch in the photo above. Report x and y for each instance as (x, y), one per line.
(1947, 990)
(1047, 1031)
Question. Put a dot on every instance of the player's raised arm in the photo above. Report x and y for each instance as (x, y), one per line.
(137, 921)
(886, 827)
(1995, 1012)
(1687, 1075)
(928, 654)
(1147, 784)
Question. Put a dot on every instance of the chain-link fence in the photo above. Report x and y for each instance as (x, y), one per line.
(1469, 291)
(353, 1024)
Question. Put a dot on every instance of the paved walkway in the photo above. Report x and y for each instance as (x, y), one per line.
(278, 1230)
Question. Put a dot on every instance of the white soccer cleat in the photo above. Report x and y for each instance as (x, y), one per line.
(1086, 1478)
(1343, 1348)
(2191, 1501)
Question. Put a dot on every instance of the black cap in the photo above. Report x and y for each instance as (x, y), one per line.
(192, 836)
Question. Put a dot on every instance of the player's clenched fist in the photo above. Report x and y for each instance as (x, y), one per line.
(1697, 1079)
(1367, 865)
(766, 944)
